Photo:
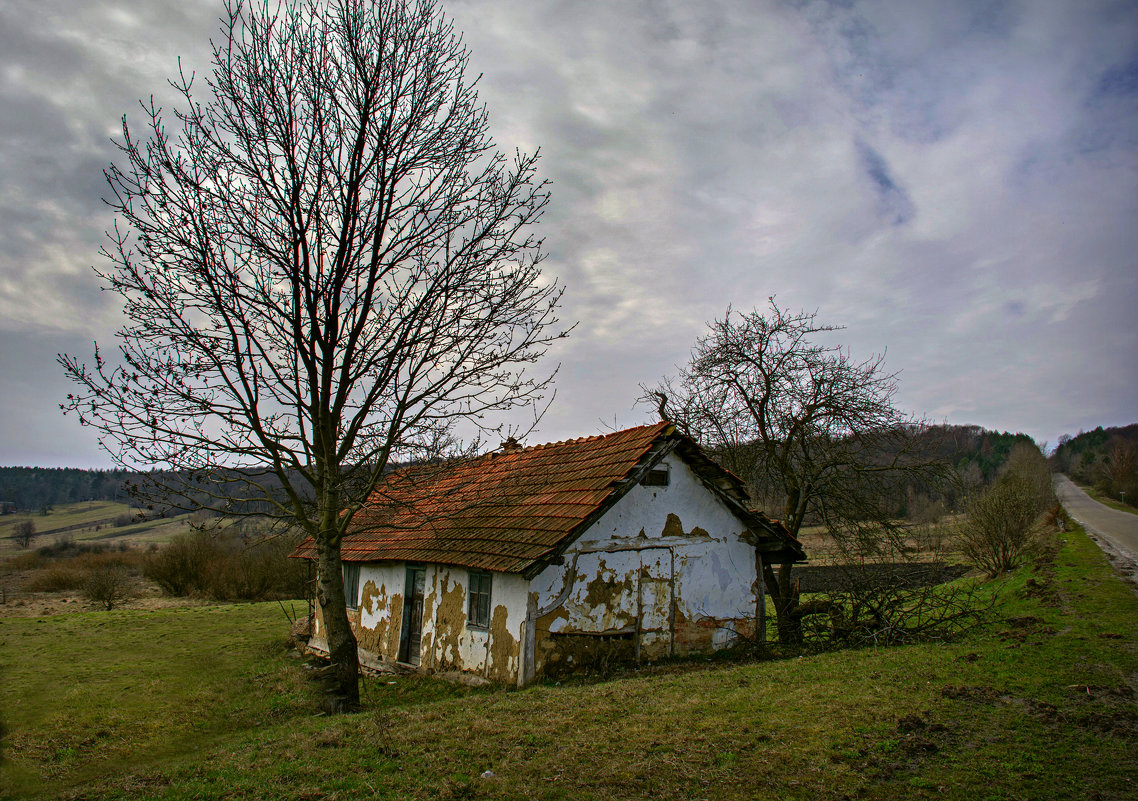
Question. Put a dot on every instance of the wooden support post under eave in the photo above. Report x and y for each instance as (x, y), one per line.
(760, 600)
(527, 669)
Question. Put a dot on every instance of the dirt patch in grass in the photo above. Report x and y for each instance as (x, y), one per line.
(1028, 628)
(972, 695)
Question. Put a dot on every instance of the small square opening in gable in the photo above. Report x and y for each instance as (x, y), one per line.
(657, 477)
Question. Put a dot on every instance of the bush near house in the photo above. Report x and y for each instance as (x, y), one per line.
(224, 566)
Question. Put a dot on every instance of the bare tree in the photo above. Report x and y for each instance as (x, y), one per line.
(107, 586)
(1118, 469)
(325, 265)
(25, 533)
(804, 423)
(1001, 524)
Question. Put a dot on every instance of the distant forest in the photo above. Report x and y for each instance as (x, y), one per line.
(1106, 458)
(974, 452)
(976, 456)
(36, 488)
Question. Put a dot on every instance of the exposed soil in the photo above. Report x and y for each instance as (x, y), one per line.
(835, 578)
(973, 695)
(1024, 629)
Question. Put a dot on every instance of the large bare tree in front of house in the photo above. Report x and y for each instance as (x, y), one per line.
(804, 423)
(325, 264)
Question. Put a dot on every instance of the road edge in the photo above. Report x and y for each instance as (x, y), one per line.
(1124, 562)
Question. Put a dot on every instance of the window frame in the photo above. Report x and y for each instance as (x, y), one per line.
(659, 476)
(479, 594)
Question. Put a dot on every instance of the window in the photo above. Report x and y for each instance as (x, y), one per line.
(351, 584)
(478, 598)
(657, 477)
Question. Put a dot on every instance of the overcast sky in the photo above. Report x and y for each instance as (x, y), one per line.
(955, 182)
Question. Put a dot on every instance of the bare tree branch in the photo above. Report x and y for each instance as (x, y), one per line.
(324, 263)
(804, 423)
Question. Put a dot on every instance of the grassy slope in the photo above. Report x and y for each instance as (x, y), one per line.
(86, 513)
(204, 703)
(78, 521)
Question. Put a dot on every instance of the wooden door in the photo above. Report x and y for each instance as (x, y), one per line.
(411, 636)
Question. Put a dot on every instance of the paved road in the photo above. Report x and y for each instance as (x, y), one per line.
(1119, 530)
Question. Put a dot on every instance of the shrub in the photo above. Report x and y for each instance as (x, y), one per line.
(225, 566)
(999, 526)
(181, 567)
(64, 545)
(58, 578)
(32, 560)
(107, 585)
(884, 597)
(25, 532)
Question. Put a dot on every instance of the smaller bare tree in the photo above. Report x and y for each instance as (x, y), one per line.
(810, 428)
(1000, 525)
(25, 533)
(107, 586)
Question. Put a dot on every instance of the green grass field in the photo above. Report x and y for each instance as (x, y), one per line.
(207, 703)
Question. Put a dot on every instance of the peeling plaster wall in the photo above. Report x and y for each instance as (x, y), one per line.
(448, 643)
(381, 608)
(675, 554)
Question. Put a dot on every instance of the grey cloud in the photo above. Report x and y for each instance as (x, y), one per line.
(712, 154)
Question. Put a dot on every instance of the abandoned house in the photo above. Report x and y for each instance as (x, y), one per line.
(537, 561)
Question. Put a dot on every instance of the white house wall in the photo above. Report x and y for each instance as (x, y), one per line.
(674, 554)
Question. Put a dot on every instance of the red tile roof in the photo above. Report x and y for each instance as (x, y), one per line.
(504, 511)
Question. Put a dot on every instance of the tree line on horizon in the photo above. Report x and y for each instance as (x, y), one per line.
(37, 489)
(975, 452)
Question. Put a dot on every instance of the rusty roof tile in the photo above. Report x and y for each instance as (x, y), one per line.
(503, 511)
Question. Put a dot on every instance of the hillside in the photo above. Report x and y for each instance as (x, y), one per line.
(208, 703)
(92, 522)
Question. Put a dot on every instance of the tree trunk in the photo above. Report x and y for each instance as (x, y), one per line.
(341, 639)
(784, 596)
